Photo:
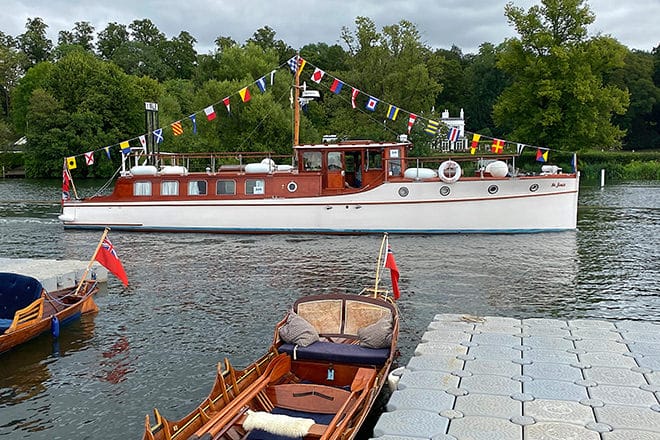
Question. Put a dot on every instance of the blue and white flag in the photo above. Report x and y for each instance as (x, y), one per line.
(158, 135)
(371, 104)
(261, 83)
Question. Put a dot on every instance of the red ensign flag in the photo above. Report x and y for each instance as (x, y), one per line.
(394, 271)
(109, 259)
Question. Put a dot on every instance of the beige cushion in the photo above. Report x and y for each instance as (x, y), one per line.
(376, 335)
(298, 331)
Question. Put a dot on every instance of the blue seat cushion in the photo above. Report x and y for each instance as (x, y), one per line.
(5, 324)
(339, 353)
(16, 293)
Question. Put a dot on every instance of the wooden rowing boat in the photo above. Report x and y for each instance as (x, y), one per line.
(329, 359)
(28, 310)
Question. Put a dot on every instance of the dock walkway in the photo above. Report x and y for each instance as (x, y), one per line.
(533, 379)
(53, 274)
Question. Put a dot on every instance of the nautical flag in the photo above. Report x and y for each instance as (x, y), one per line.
(394, 271)
(143, 142)
(354, 94)
(475, 143)
(261, 83)
(392, 112)
(574, 162)
(66, 181)
(520, 148)
(317, 76)
(336, 86)
(89, 158)
(194, 122)
(371, 103)
(209, 112)
(411, 121)
(71, 162)
(245, 94)
(453, 133)
(158, 135)
(432, 127)
(498, 146)
(226, 102)
(107, 152)
(541, 155)
(125, 148)
(107, 256)
(296, 62)
(272, 77)
(177, 128)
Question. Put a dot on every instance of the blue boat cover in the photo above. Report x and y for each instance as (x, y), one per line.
(16, 292)
(339, 353)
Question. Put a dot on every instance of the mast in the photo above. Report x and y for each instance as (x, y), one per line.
(296, 106)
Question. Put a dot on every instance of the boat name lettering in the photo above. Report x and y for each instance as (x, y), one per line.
(557, 185)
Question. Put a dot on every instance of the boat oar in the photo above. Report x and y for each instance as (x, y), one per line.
(278, 367)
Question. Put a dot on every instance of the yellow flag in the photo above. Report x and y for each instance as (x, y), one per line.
(71, 163)
(245, 94)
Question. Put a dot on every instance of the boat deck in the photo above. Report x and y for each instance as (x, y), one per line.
(53, 274)
(505, 378)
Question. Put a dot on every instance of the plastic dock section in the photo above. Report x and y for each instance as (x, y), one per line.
(528, 379)
(53, 274)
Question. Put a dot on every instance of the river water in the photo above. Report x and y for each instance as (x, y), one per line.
(195, 299)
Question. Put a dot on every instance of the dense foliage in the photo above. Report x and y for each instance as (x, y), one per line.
(553, 85)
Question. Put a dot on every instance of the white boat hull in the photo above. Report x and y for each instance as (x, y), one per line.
(525, 204)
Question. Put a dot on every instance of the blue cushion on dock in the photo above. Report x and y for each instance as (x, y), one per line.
(17, 292)
(339, 353)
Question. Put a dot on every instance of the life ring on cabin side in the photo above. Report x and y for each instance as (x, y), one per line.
(449, 165)
(292, 186)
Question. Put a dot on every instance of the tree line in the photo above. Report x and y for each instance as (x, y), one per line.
(553, 85)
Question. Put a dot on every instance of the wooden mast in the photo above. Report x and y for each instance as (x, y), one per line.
(296, 104)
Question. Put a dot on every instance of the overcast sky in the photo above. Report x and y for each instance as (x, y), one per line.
(441, 23)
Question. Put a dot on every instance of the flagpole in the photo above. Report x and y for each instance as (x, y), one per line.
(296, 109)
(91, 262)
(378, 265)
(73, 185)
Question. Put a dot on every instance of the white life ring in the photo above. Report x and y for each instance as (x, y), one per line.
(449, 165)
(292, 186)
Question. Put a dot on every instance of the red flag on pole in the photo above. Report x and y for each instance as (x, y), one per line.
(109, 259)
(394, 271)
(66, 182)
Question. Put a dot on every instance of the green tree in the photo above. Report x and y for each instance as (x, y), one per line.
(11, 69)
(265, 38)
(179, 53)
(559, 97)
(34, 43)
(76, 105)
(110, 39)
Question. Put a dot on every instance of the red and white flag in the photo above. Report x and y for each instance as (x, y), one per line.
(394, 270)
(89, 158)
(226, 102)
(210, 113)
(411, 121)
(317, 76)
(354, 94)
(107, 256)
(143, 142)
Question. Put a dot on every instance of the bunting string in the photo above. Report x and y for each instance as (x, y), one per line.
(332, 84)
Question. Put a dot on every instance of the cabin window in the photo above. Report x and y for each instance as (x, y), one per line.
(254, 186)
(395, 167)
(169, 188)
(197, 188)
(375, 160)
(334, 160)
(142, 189)
(225, 187)
(312, 160)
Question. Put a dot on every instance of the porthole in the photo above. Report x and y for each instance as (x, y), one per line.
(445, 190)
(403, 191)
(534, 187)
(292, 186)
(493, 189)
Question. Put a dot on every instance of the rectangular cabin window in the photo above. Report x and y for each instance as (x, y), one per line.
(225, 187)
(334, 160)
(142, 189)
(254, 186)
(312, 160)
(197, 188)
(169, 188)
(375, 160)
